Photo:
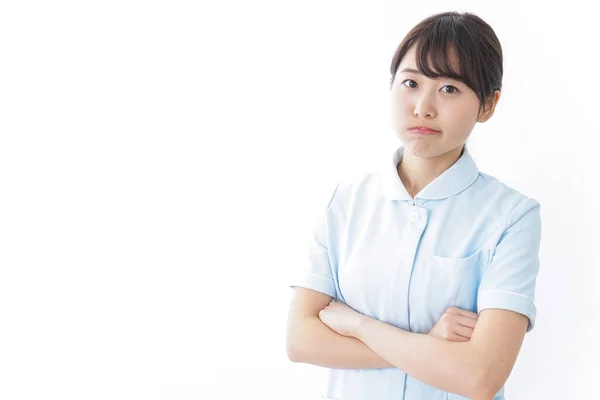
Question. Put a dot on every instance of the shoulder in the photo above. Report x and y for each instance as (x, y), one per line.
(504, 204)
(505, 196)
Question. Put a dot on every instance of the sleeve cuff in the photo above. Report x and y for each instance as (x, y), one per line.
(508, 301)
(317, 283)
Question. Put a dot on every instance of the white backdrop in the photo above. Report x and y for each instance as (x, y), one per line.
(162, 163)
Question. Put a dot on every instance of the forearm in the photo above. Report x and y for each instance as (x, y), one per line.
(314, 343)
(450, 366)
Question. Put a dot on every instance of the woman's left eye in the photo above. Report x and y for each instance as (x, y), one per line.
(454, 89)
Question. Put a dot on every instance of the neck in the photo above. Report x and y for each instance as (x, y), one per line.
(417, 172)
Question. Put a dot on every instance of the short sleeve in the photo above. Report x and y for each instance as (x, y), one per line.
(317, 273)
(509, 280)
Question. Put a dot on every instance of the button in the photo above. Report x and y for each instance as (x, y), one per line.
(414, 217)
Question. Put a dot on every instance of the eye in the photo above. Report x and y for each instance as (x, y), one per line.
(409, 81)
(454, 89)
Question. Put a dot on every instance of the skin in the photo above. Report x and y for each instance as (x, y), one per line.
(442, 104)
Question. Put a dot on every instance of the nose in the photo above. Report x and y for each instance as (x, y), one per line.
(424, 106)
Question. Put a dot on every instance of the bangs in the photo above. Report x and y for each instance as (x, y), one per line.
(438, 54)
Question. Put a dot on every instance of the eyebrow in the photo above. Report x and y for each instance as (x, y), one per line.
(414, 71)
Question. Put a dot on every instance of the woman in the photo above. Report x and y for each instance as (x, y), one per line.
(421, 278)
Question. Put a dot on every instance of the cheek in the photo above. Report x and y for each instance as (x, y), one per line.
(463, 113)
(400, 108)
(470, 113)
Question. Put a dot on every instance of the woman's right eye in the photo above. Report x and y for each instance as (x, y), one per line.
(409, 83)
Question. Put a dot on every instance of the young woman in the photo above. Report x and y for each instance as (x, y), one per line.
(421, 276)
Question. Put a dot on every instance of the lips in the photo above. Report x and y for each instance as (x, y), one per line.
(422, 129)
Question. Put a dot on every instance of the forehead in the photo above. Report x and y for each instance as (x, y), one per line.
(433, 58)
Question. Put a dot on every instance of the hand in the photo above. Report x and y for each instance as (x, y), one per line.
(341, 318)
(455, 325)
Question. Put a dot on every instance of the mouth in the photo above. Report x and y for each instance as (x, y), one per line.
(422, 130)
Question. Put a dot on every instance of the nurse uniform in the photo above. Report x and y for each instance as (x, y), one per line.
(466, 240)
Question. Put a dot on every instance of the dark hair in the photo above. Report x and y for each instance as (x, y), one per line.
(463, 35)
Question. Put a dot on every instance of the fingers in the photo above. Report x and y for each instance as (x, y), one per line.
(465, 313)
(466, 321)
(456, 325)
(457, 338)
(463, 331)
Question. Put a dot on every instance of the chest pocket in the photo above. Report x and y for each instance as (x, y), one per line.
(454, 281)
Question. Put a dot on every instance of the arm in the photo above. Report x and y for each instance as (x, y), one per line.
(311, 341)
(476, 369)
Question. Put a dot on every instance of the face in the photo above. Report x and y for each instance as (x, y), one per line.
(445, 105)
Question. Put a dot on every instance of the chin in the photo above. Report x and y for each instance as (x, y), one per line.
(421, 149)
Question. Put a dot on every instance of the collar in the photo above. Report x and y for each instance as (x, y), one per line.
(452, 181)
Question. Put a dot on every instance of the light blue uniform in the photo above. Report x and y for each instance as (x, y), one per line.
(466, 240)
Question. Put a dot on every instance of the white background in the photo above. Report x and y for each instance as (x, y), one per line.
(162, 163)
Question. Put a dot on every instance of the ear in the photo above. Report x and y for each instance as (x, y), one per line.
(490, 106)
